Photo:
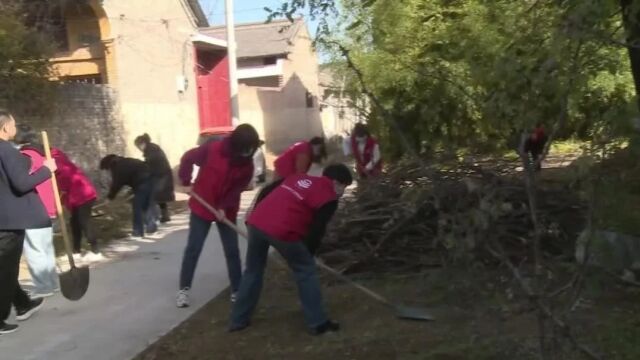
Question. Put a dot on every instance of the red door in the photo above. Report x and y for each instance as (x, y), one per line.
(212, 80)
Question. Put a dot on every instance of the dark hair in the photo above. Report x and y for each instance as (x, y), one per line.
(143, 139)
(5, 117)
(108, 161)
(243, 138)
(360, 130)
(339, 173)
(26, 135)
(318, 140)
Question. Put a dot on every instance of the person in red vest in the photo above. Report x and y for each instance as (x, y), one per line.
(365, 150)
(226, 169)
(291, 215)
(297, 159)
(535, 143)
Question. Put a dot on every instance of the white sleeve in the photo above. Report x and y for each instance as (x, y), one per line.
(376, 154)
(346, 146)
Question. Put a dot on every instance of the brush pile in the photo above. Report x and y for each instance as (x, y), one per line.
(414, 218)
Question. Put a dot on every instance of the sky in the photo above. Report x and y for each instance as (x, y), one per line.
(244, 11)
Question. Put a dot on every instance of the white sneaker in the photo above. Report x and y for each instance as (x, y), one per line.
(42, 295)
(182, 299)
(90, 256)
(234, 297)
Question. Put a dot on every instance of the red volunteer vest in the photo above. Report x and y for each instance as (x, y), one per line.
(285, 164)
(362, 159)
(286, 213)
(220, 181)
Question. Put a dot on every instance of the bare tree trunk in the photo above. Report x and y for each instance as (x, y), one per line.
(631, 21)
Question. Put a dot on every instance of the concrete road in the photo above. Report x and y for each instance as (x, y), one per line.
(130, 303)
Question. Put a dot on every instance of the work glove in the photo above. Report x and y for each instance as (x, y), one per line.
(369, 166)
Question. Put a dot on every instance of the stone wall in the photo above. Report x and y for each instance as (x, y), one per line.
(86, 125)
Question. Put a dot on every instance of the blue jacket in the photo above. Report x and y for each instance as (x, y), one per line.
(20, 207)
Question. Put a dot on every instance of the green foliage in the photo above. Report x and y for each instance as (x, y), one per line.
(24, 68)
(478, 73)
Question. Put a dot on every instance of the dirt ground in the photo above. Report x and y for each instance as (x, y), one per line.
(480, 313)
(476, 318)
(114, 222)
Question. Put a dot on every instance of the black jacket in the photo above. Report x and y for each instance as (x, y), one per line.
(163, 190)
(157, 160)
(20, 206)
(128, 172)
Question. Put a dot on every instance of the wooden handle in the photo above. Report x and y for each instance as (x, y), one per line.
(324, 266)
(59, 208)
(365, 290)
(221, 216)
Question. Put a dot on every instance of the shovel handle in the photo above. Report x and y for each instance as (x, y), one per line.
(59, 208)
(365, 290)
(319, 262)
(219, 215)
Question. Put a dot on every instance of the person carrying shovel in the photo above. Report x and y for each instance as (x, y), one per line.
(291, 215)
(226, 169)
(21, 209)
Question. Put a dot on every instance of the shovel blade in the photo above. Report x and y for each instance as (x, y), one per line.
(412, 313)
(74, 283)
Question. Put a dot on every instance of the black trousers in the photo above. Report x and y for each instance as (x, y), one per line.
(81, 224)
(165, 216)
(11, 243)
(535, 148)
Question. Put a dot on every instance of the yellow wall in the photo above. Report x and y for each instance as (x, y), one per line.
(82, 58)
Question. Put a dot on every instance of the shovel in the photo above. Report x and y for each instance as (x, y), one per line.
(75, 282)
(401, 311)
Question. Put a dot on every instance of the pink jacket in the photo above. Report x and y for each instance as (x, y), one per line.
(75, 187)
(45, 189)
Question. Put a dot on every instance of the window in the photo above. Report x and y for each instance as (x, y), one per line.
(271, 60)
(56, 26)
(82, 79)
(309, 98)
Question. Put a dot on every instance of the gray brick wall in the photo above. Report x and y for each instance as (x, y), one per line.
(86, 125)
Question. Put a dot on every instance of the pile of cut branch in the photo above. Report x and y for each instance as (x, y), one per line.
(414, 218)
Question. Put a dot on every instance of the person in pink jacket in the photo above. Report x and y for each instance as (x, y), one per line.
(78, 196)
(38, 243)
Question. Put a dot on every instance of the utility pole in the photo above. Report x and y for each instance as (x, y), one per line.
(233, 66)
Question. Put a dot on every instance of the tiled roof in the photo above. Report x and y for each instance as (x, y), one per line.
(260, 39)
(199, 14)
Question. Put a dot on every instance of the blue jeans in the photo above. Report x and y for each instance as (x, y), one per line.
(300, 262)
(40, 256)
(198, 232)
(142, 201)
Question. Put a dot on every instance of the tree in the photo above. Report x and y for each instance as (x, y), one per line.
(24, 66)
(476, 73)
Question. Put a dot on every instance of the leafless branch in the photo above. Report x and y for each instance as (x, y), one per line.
(536, 300)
